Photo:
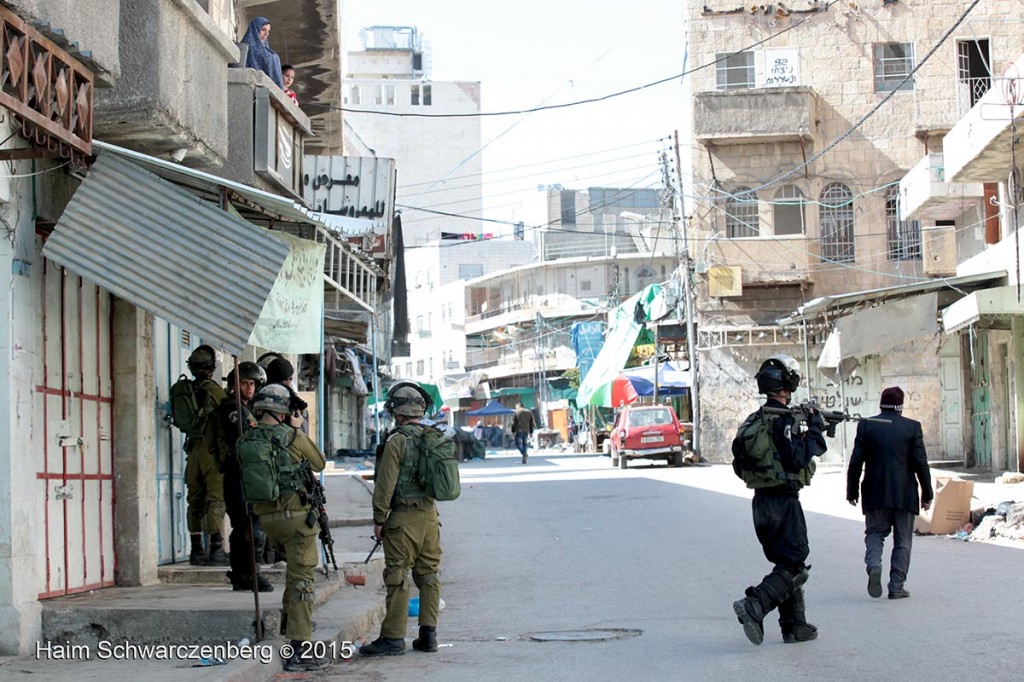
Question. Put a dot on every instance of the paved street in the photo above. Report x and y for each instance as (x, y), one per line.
(568, 543)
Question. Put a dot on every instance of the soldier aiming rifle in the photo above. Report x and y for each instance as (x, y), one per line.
(805, 411)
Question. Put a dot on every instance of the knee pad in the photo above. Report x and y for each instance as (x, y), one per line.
(395, 577)
(217, 508)
(424, 580)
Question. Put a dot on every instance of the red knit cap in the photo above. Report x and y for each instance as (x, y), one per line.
(892, 398)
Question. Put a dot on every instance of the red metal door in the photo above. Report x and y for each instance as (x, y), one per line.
(75, 403)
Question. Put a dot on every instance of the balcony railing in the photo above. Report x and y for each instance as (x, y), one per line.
(969, 91)
(49, 92)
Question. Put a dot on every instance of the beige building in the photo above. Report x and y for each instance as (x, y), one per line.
(805, 119)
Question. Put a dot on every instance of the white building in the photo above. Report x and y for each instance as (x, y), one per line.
(392, 103)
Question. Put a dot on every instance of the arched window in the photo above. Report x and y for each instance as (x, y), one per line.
(904, 237)
(741, 216)
(837, 224)
(788, 209)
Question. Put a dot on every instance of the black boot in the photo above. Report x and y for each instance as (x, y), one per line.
(750, 613)
(217, 555)
(243, 583)
(302, 658)
(197, 555)
(427, 641)
(793, 620)
(383, 646)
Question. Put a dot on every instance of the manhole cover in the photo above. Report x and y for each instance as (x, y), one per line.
(584, 635)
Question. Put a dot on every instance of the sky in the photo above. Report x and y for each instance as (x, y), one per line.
(543, 52)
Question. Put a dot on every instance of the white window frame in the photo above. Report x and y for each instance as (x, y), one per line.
(891, 68)
(736, 71)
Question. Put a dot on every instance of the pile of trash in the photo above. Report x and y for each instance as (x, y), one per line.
(1005, 520)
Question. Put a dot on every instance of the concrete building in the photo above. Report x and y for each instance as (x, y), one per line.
(797, 208)
(124, 260)
(392, 103)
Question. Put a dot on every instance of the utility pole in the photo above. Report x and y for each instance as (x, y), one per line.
(679, 218)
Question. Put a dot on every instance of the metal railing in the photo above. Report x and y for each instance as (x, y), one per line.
(969, 91)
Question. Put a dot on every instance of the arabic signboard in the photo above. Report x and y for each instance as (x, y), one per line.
(360, 187)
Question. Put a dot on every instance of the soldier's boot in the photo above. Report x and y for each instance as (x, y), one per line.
(383, 646)
(427, 641)
(241, 582)
(302, 659)
(217, 557)
(197, 555)
(793, 621)
(750, 613)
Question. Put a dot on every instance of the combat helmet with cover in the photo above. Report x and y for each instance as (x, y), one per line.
(429, 467)
(187, 397)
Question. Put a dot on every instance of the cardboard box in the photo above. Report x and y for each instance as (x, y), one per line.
(951, 507)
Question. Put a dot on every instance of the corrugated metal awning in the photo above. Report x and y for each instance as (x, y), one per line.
(842, 304)
(162, 248)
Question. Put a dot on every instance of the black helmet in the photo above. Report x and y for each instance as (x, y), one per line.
(248, 371)
(778, 372)
(408, 399)
(279, 370)
(272, 398)
(202, 359)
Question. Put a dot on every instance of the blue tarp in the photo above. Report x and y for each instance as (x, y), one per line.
(587, 340)
(491, 409)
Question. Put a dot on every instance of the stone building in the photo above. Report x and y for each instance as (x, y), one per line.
(806, 116)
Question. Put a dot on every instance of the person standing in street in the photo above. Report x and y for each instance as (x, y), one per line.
(275, 459)
(775, 459)
(203, 477)
(522, 427)
(895, 464)
(405, 520)
(245, 526)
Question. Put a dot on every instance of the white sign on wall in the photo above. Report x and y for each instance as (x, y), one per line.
(781, 67)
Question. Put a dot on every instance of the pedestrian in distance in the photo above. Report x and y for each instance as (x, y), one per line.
(775, 458)
(894, 462)
(405, 521)
(522, 426)
(203, 477)
(245, 527)
(275, 459)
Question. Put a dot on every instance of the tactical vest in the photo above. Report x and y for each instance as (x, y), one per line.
(409, 485)
(762, 466)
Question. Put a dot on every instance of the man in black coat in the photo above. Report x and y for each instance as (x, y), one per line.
(894, 462)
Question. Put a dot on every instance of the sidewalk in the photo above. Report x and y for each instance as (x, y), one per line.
(101, 636)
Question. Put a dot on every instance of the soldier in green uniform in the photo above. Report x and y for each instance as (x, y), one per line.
(405, 519)
(203, 477)
(286, 520)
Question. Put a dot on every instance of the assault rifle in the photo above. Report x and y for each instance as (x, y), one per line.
(369, 556)
(804, 411)
(318, 515)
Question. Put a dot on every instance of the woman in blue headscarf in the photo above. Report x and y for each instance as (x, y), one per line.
(260, 55)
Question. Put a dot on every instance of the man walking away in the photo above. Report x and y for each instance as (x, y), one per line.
(522, 427)
(894, 461)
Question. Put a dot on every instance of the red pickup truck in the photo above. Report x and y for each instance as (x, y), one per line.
(647, 432)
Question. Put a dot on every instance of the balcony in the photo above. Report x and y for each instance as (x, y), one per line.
(788, 260)
(267, 134)
(925, 194)
(172, 93)
(755, 116)
(978, 148)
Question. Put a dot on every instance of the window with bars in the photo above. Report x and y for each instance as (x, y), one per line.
(734, 71)
(893, 61)
(788, 211)
(904, 236)
(741, 214)
(836, 216)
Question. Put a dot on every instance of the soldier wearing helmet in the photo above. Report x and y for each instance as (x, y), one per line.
(284, 520)
(202, 474)
(405, 520)
(775, 459)
(245, 526)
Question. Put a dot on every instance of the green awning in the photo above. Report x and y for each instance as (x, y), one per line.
(524, 395)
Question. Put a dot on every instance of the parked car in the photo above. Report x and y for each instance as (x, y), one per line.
(647, 432)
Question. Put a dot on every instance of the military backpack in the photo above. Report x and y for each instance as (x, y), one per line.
(429, 467)
(268, 471)
(188, 406)
(756, 459)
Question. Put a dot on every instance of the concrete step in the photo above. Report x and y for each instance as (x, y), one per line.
(349, 564)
